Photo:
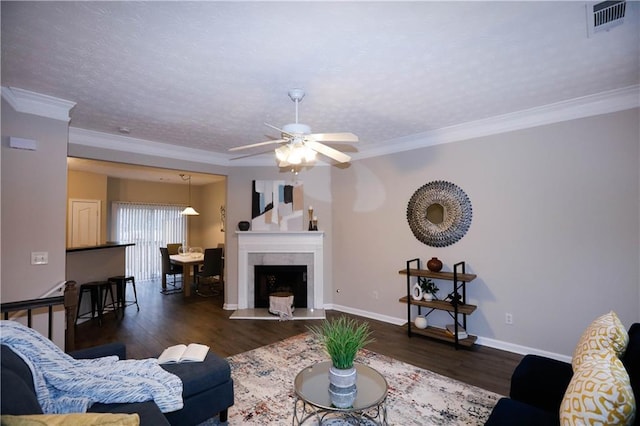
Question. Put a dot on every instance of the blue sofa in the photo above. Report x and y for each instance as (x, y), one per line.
(538, 385)
(207, 389)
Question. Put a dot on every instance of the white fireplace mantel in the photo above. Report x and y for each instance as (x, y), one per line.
(250, 242)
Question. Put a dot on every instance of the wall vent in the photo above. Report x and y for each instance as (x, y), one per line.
(604, 15)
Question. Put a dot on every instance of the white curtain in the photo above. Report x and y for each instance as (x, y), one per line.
(149, 226)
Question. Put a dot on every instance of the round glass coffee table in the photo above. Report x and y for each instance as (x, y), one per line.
(312, 398)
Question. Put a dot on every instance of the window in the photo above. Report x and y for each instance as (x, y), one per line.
(149, 226)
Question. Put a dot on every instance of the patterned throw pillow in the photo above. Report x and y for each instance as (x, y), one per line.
(599, 393)
(72, 419)
(604, 333)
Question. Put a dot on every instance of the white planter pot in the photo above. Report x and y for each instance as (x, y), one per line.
(428, 297)
(342, 378)
(342, 397)
(342, 386)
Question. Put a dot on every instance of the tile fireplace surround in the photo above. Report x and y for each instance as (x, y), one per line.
(280, 248)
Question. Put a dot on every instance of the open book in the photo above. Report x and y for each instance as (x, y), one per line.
(195, 352)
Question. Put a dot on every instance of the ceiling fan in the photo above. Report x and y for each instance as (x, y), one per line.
(299, 145)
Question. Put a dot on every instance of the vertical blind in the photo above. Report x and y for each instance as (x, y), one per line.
(149, 226)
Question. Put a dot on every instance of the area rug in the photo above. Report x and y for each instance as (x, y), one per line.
(264, 395)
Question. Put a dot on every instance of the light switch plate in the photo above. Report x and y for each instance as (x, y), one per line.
(22, 143)
(39, 257)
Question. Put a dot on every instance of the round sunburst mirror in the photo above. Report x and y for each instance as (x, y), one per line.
(439, 213)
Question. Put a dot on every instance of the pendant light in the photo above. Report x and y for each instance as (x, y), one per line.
(189, 211)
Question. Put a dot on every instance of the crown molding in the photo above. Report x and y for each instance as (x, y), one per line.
(37, 104)
(128, 144)
(94, 139)
(586, 106)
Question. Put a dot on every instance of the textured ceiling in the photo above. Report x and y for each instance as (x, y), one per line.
(207, 75)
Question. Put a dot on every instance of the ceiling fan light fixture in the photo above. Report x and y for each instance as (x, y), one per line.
(282, 153)
(296, 155)
(309, 155)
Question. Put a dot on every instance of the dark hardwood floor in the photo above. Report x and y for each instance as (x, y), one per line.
(165, 320)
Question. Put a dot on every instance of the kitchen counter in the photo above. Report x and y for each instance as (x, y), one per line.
(108, 245)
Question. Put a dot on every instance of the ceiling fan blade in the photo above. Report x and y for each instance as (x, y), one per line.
(340, 157)
(334, 137)
(274, 127)
(253, 145)
(278, 129)
(253, 154)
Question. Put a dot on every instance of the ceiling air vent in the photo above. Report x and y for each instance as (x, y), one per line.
(604, 15)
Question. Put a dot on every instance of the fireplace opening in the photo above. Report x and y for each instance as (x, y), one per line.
(280, 279)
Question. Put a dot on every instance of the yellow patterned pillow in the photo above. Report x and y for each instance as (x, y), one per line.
(599, 393)
(604, 333)
(72, 419)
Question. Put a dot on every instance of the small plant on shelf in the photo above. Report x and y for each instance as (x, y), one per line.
(428, 286)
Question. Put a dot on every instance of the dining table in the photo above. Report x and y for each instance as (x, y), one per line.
(189, 263)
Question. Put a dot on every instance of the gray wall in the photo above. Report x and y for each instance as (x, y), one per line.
(33, 211)
(554, 238)
(34, 197)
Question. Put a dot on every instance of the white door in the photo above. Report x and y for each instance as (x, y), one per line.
(84, 223)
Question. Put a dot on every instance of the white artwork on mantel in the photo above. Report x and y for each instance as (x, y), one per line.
(277, 206)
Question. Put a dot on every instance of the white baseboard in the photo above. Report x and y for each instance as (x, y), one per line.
(366, 314)
(519, 349)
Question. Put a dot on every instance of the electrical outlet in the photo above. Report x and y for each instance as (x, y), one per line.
(508, 318)
(375, 294)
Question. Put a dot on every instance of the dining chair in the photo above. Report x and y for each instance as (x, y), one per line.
(210, 274)
(173, 248)
(169, 268)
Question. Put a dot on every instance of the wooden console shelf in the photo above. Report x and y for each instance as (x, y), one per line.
(457, 311)
(441, 334)
(438, 275)
(440, 305)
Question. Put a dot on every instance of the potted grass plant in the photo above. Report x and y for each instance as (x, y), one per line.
(342, 338)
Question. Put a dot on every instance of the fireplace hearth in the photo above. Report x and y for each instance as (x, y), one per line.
(269, 279)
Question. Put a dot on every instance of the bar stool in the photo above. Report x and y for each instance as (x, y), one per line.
(121, 291)
(94, 288)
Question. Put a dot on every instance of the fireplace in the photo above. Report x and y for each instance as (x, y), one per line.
(264, 248)
(271, 279)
